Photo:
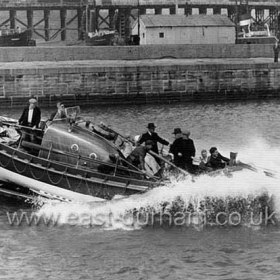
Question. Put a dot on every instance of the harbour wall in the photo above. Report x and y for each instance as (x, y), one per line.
(66, 53)
(104, 82)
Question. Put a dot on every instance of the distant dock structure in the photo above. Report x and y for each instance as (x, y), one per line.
(91, 15)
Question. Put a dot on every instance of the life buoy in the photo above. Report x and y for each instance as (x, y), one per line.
(75, 148)
(93, 155)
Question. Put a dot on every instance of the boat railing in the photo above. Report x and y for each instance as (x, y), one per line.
(30, 131)
(120, 164)
(117, 166)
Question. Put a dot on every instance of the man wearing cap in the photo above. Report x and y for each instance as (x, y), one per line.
(137, 156)
(31, 115)
(152, 135)
(177, 148)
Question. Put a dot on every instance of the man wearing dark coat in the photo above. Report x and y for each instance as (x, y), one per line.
(177, 148)
(189, 151)
(152, 135)
(216, 160)
(31, 115)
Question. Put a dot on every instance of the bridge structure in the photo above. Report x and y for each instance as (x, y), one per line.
(91, 15)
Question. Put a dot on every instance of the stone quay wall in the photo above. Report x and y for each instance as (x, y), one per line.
(81, 75)
(104, 82)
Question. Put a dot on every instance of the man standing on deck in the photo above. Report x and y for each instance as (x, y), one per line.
(153, 136)
(177, 148)
(189, 151)
(30, 117)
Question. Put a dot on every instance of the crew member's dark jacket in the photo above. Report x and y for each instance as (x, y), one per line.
(36, 118)
(155, 138)
(178, 146)
(218, 162)
(189, 149)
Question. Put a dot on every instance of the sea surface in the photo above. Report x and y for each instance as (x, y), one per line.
(84, 243)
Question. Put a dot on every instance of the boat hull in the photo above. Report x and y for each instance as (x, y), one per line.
(256, 40)
(104, 40)
(17, 40)
(71, 182)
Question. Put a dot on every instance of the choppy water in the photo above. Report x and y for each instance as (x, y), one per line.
(86, 244)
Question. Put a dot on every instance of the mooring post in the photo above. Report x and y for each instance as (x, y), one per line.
(47, 24)
(63, 14)
(29, 14)
(13, 15)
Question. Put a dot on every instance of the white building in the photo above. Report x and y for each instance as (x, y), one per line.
(181, 29)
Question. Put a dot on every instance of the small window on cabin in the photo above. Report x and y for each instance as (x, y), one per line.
(161, 35)
(143, 35)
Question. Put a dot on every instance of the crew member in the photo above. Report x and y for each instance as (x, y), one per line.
(152, 135)
(137, 156)
(60, 113)
(189, 151)
(30, 117)
(216, 160)
(177, 148)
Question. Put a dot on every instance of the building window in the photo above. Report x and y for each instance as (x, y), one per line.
(161, 35)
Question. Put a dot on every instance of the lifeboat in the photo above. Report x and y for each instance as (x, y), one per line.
(68, 161)
(73, 160)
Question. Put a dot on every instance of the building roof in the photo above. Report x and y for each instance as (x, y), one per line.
(151, 21)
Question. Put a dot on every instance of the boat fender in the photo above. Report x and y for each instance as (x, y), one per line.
(93, 155)
(75, 148)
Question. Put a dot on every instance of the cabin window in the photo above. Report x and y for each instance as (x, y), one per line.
(161, 35)
(143, 35)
